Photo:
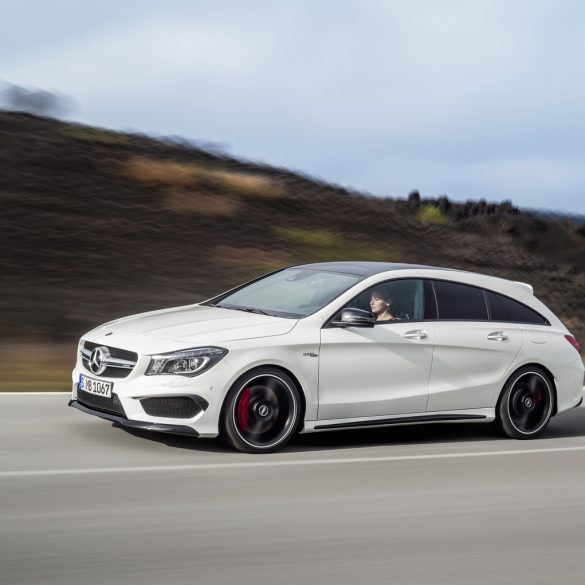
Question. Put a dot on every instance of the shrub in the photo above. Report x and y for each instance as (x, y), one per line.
(431, 215)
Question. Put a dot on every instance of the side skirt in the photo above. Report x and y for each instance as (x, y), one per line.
(480, 415)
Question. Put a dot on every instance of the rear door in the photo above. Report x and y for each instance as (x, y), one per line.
(471, 352)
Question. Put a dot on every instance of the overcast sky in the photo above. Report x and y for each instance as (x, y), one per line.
(468, 98)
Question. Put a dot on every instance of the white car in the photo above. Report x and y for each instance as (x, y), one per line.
(335, 345)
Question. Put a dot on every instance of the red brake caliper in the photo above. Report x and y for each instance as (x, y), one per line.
(243, 406)
(538, 395)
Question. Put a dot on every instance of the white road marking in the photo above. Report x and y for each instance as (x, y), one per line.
(280, 463)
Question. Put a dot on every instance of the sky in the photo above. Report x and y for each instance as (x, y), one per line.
(465, 98)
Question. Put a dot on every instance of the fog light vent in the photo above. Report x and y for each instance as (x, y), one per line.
(171, 407)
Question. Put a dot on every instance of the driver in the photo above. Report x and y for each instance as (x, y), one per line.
(380, 305)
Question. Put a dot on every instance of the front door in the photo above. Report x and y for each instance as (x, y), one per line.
(383, 370)
(375, 372)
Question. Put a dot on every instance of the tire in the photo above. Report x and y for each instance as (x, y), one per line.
(526, 404)
(261, 411)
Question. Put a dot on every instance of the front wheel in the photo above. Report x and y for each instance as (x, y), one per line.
(261, 411)
(526, 405)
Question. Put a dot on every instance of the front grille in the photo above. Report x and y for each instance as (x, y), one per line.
(111, 405)
(115, 352)
(110, 372)
(171, 407)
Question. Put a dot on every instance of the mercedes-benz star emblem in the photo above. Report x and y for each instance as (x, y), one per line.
(263, 410)
(96, 361)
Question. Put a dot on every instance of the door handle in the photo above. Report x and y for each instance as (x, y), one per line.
(498, 336)
(417, 334)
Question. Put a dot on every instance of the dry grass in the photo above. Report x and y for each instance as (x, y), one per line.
(193, 176)
(164, 173)
(201, 202)
(30, 367)
(317, 245)
(250, 262)
(96, 135)
(248, 185)
(297, 246)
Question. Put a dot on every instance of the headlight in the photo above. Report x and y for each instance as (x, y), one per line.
(186, 362)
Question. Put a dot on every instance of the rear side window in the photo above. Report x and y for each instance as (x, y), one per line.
(460, 302)
(505, 309)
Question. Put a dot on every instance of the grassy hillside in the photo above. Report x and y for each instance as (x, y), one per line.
(97, 224)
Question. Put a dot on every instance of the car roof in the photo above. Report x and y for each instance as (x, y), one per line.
(364, 268)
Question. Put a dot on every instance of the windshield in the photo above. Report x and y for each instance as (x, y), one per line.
(294, 293)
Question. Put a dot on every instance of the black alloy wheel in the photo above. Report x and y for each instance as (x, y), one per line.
(527, 403)
(261, 412)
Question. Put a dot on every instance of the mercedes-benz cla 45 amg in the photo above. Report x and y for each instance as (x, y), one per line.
(334, 346)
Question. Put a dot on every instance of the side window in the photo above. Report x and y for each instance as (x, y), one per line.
(397, 300)
(505, 309)
(460, 301)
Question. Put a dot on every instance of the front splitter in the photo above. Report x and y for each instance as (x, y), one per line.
(136, 424)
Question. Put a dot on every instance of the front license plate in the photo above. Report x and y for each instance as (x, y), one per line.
(95, 386)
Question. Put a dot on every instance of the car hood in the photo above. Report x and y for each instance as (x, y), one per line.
(194, 323)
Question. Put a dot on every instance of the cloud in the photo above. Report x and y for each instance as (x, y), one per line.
(468, 99)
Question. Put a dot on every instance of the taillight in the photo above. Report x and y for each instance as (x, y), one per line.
(574, 343)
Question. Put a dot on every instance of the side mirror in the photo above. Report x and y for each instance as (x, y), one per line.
(355, 318)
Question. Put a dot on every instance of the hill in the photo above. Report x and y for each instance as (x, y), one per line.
(97, 224)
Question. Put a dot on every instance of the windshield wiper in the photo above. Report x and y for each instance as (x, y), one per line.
(246, 309)
(258, 311)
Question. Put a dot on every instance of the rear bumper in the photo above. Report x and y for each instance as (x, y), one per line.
(136, 424)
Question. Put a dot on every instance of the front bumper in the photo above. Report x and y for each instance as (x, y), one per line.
(132, 393)
(136, 424)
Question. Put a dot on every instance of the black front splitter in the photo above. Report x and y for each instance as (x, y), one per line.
(136, 424)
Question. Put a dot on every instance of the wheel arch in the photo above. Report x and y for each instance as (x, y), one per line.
(301, 391)
(549, 374)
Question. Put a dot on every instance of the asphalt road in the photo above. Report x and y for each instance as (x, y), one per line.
(85, 502)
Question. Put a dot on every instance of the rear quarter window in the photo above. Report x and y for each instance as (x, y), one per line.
(509, 311)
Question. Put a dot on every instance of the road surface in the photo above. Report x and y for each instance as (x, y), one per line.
(86, 502)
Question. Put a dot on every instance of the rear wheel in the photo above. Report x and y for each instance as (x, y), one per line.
(526, 405)
(261, 412)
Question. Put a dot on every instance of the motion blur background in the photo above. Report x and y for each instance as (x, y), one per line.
(154, 154)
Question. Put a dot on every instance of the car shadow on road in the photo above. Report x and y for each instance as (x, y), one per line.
(177, 441)
(567, 425)
(570, 424)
